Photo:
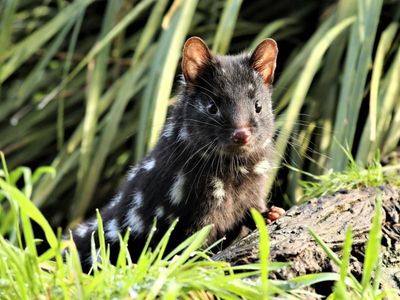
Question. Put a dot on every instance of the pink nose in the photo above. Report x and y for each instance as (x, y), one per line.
(241, 136)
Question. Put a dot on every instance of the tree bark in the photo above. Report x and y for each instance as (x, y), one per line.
(329, 217)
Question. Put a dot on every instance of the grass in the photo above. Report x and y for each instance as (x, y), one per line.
(185, 273)
(85, 86)
(354, 176)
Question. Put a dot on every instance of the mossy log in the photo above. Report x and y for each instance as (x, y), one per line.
(329, 217)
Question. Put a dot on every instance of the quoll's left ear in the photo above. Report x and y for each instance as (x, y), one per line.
(196, 56)
(263, 59)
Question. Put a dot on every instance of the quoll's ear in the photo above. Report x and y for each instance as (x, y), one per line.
(263, 59)
(196, 55)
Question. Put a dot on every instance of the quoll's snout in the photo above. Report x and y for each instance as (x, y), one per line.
(241, 136)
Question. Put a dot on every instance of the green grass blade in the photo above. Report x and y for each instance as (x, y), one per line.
(7, 11)
(150, 29)
(354, 78)
(94, 90)
(332, 256)
(66, 69)
(226, 26)
(99, 46)
(19, 53)
(263, 252)
(373, 246)
(31, 210)
(270, 30)
(179, 27)
(369, 139)
(383, 47)
(340, 286)
(113, 118)
(154, 102)
(300, 92)
(100, 236)
(293, 68)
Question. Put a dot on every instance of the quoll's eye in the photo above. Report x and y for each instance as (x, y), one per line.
(212, 108)
(258, 106)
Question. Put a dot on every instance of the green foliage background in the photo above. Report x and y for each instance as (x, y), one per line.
(85, 85)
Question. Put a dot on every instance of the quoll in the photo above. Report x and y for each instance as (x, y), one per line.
(211, 160)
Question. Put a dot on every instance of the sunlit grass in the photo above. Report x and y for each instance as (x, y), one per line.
(354, 176)
(87, 90)
(185, 273)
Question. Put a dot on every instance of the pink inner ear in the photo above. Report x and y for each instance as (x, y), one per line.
(195, 57)
(264, 59)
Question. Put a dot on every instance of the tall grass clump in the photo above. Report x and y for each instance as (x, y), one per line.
(85, 85)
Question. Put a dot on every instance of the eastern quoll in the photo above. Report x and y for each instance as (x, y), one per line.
(210, 163)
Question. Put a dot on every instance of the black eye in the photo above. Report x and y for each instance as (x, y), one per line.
(212, 108)
(258, 107)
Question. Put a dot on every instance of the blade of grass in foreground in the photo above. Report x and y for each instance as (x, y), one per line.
(31, 210)
(340, 286)
(263, 251)
(372, 249)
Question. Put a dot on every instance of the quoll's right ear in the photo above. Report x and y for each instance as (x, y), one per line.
(196, 56)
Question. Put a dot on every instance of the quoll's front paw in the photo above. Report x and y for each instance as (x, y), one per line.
(273, 214)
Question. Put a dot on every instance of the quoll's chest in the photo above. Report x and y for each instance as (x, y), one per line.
(227, 199)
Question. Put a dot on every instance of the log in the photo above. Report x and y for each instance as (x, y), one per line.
(329, 217)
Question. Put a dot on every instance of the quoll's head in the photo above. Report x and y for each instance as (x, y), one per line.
(227, 99)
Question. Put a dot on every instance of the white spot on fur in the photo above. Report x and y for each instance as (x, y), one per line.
(116, 200)
(251, 87)
(169, 129)
(243, 170)
(134, 221)
(183, 134)
(223, 70)
(149, 164)
(267, 142)
(137, 199)
(219, 191)
(132, 173)
(81, 230)
(176, 192)
(84, 229)
(159, 212)
(262, 167)
(112, 229)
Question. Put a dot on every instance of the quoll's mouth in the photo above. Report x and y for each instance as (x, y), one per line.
(238, 149)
